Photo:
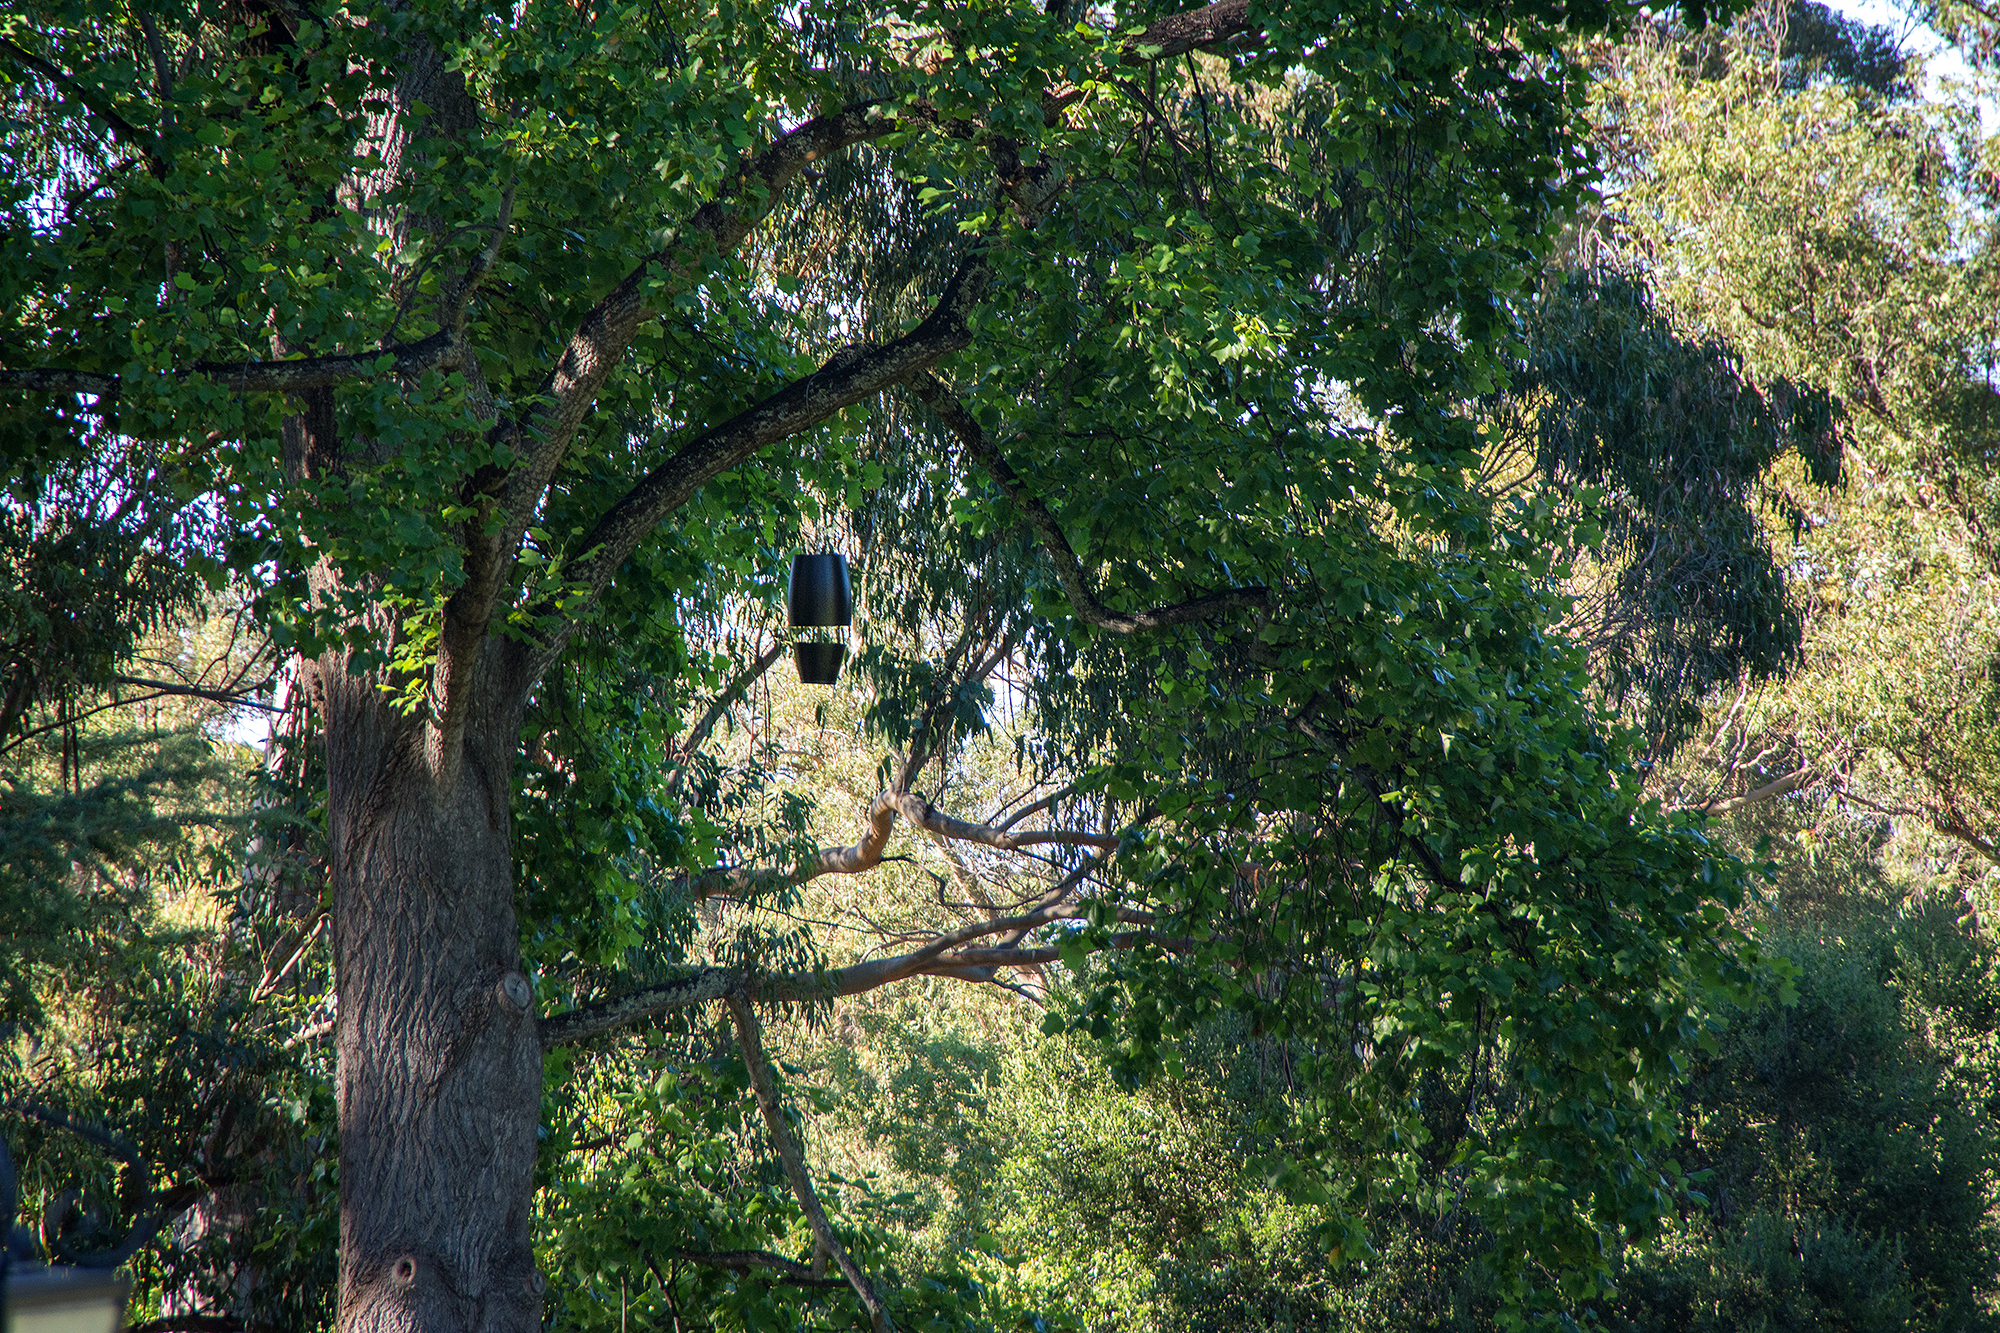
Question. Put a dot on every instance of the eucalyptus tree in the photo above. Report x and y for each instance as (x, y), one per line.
(1791, 193)
(1672, 455)
(512, 344)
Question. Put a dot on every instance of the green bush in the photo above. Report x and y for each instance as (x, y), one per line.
(1847, 1141)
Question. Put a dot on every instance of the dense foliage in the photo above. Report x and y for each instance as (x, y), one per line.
(1254, 485)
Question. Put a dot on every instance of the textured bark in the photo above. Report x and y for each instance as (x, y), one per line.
(439, 1061)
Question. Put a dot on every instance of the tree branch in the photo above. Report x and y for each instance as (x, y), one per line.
(789, 1270)
(933, 960)
(1769, 791)
(1941, 821)
(163, 70)
(454, 301)
(698, 987)
(865, 855)
(441, 351)
(1193, 30)
(848, 377)
(54, 379)
(1068, 568)
(569, 393)
(1167, 39)
(734, 691)
(163, 687)
(750, 1038)
(1033, 807)
(92, 99)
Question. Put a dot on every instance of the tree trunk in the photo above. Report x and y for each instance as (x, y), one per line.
(440, 1062)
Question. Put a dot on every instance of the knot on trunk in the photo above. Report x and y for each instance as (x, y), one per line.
(515, 993)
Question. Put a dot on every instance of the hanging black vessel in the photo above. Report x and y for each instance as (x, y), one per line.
(819, 663)
(820, 596)
(820, 593)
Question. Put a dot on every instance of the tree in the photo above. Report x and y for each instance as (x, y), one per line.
(1880, 291)
(511, 347)
(1671, 449)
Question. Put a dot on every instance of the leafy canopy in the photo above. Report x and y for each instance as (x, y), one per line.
(1173, 331)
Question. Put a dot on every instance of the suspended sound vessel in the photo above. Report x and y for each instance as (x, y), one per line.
(821, 596)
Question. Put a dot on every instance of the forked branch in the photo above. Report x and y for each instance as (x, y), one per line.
(866, 854)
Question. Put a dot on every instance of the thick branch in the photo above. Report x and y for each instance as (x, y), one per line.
(440, 351)
(848, 377)
(1940, 820)
(49, 379)
(238, 699)
(920, 812)
(944, 955)
(789, 1152)
(933, 960)
(1168, 39)
(142, 1230)
(163, 70)
(1178, 34)
(699, 987)
(718, 227)
(1769, 791)
(1068, 568)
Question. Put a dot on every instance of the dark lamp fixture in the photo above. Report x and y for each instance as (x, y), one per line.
(820, 596)
(819, 663)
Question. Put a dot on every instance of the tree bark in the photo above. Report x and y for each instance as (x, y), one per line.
(440, 1065)
(439, 1072)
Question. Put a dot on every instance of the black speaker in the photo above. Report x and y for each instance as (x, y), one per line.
(819, 663)
(820, 592)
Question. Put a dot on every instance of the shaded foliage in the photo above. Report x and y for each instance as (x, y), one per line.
(1666, 445)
